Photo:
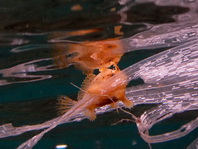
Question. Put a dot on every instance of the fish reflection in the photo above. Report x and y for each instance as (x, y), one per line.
(89, 55)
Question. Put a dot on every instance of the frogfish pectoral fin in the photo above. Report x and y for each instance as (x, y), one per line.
(90, 114)
(120, 94)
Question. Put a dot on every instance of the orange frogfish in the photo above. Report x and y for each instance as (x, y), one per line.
(102, 91)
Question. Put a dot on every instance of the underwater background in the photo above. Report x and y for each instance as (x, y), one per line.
(30, 82)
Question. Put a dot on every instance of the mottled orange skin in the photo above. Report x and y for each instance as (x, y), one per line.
(100, 92)
(106, 93)
(88, 56)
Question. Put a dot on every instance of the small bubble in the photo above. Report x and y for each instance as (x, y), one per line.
(134, 142)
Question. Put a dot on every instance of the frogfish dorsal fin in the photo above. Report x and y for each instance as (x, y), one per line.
(64, 104)
(85, 84)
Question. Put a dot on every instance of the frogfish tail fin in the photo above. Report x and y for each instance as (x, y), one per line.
(64, 104)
